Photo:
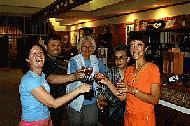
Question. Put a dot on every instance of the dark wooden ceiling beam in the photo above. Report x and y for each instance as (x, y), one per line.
(58, 7)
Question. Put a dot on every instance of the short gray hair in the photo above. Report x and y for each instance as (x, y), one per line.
(89, 39)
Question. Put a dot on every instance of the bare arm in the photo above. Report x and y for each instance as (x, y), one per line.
(44, 97)
(152, 97)
(60, 79)
(104, 80)
(115, 91)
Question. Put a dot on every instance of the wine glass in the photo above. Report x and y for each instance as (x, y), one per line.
(89, 80)
(99, 77)
(119, 86)
(87, 71)
(101, 102)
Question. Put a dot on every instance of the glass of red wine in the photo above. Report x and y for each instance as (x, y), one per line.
(118, 80)
(101, 102)
(89, 80)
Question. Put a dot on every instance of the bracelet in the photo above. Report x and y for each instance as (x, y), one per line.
(136, 91)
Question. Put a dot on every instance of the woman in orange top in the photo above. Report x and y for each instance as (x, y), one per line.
(141, 86)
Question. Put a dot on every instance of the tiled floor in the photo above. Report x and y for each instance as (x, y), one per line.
(10, 108)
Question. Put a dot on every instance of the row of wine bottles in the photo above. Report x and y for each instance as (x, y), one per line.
(183, 79)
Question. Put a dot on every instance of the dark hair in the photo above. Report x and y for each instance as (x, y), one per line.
(26, 55)
(29, 47)
(124, 47)
(121, 47)
(52, 37)
(143, 36)
(139, 35)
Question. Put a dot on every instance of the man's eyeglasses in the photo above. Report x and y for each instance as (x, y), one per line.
(120, 57)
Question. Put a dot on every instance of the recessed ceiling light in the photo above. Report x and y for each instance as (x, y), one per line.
(80, 21)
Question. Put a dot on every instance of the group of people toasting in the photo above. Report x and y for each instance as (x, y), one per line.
(50, 93)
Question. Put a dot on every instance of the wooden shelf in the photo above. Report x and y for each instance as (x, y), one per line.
(178, 87)
(178, 95)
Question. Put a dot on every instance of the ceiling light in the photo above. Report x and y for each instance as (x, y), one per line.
(81, 21)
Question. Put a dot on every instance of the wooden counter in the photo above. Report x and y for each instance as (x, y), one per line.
(178, 95)
(174, 106)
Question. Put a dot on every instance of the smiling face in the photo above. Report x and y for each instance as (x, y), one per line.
(54, 48)
(137, 49)
(36, 58)
(121, 59)
(87, 49)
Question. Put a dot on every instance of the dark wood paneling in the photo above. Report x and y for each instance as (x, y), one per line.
(4, 43)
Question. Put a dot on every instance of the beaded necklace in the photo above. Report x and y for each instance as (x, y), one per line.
(136, 73)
